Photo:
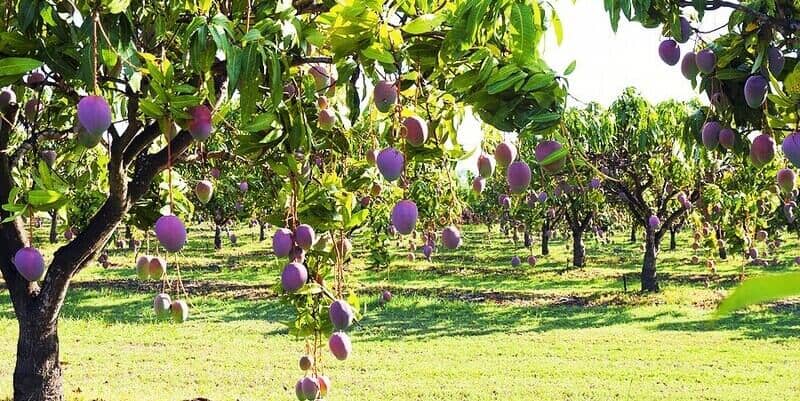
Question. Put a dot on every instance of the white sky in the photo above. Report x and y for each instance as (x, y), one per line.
(607, 62)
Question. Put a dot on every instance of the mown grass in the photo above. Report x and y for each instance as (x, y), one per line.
(463, 327)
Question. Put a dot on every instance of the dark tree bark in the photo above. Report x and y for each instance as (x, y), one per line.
(53, 227)
(37, 376)
(649, 280)
(217, 237)
(723, 253)
(633, 233)
(546, 238)
(578, 248)
(262, 231)
(673, 243)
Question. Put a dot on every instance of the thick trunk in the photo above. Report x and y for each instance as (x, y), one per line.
(262, 232)
(37, 376)
(633, 233)
(217, 237)
(545, 239)
(53, 227)
(578, 249)
(649, 280)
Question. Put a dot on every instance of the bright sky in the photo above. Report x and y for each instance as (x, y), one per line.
(607, 62)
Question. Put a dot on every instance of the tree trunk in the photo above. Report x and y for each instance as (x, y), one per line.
(37, 376)
(545, 239)
(723, 253)
(217, 237)
(578, 249)
(633, 233)
(649, 281)
(673, 243)
(262, 231)
(53, 227)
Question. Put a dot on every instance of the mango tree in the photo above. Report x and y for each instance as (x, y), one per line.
(151, 80)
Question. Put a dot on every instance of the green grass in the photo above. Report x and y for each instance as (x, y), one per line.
(463, 327)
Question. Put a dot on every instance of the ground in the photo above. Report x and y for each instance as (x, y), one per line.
(465, 327)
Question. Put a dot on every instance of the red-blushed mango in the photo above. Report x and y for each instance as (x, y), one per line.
(710, 134)
(451, 237)
(7, 98)
(505, 153)
(485, 166)
(532, 260)
(518, 177)
(706, 61)
(310, 388)
(685, 31)
(786, 180)
(515, 261)
(654, 222)
(341, 314)
(324, 384)
(344, 247)
(404, 216)
(385, 96)
(304, 236)
(478, 185)
(204, 191)
(340, 345)
(755, 91)
(762, 150)
(161, 305)
(326, 119)
(727, 138)
(689, 66)
(415, 129)
(306, 362)
(200, 126)
(171, 233)
(322, 78)
(158, 267)
(293, 277)
(372, 156)
(669, 51)
(94, 114)
(791, 148)
(143, 267)
(391, 163)
(180, 311)
(282, 242)
(29, 263)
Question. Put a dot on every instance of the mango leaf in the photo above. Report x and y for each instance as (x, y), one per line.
(17, 65)
(116, 6)
(261, 122)
(40, 197)
(377, 52)
(423, 24)
(557, 27)
(571, 67)
(357, 218)
(555, 156)
(760, 289)
(523, 31)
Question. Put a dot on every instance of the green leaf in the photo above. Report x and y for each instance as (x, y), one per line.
(17, 65)
(261, 122)
(571, 67)
(40, 197)
(557, 27)
(523, 31)
(760, 289)
(249, 81)
(423, 24)
(116, 6)
(555, 156)
(377, 52)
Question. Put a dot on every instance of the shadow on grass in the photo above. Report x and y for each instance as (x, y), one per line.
(774, 322)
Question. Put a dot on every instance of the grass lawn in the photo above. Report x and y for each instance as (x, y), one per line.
(464, 327)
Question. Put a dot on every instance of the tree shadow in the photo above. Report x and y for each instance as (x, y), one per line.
(777, 322)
